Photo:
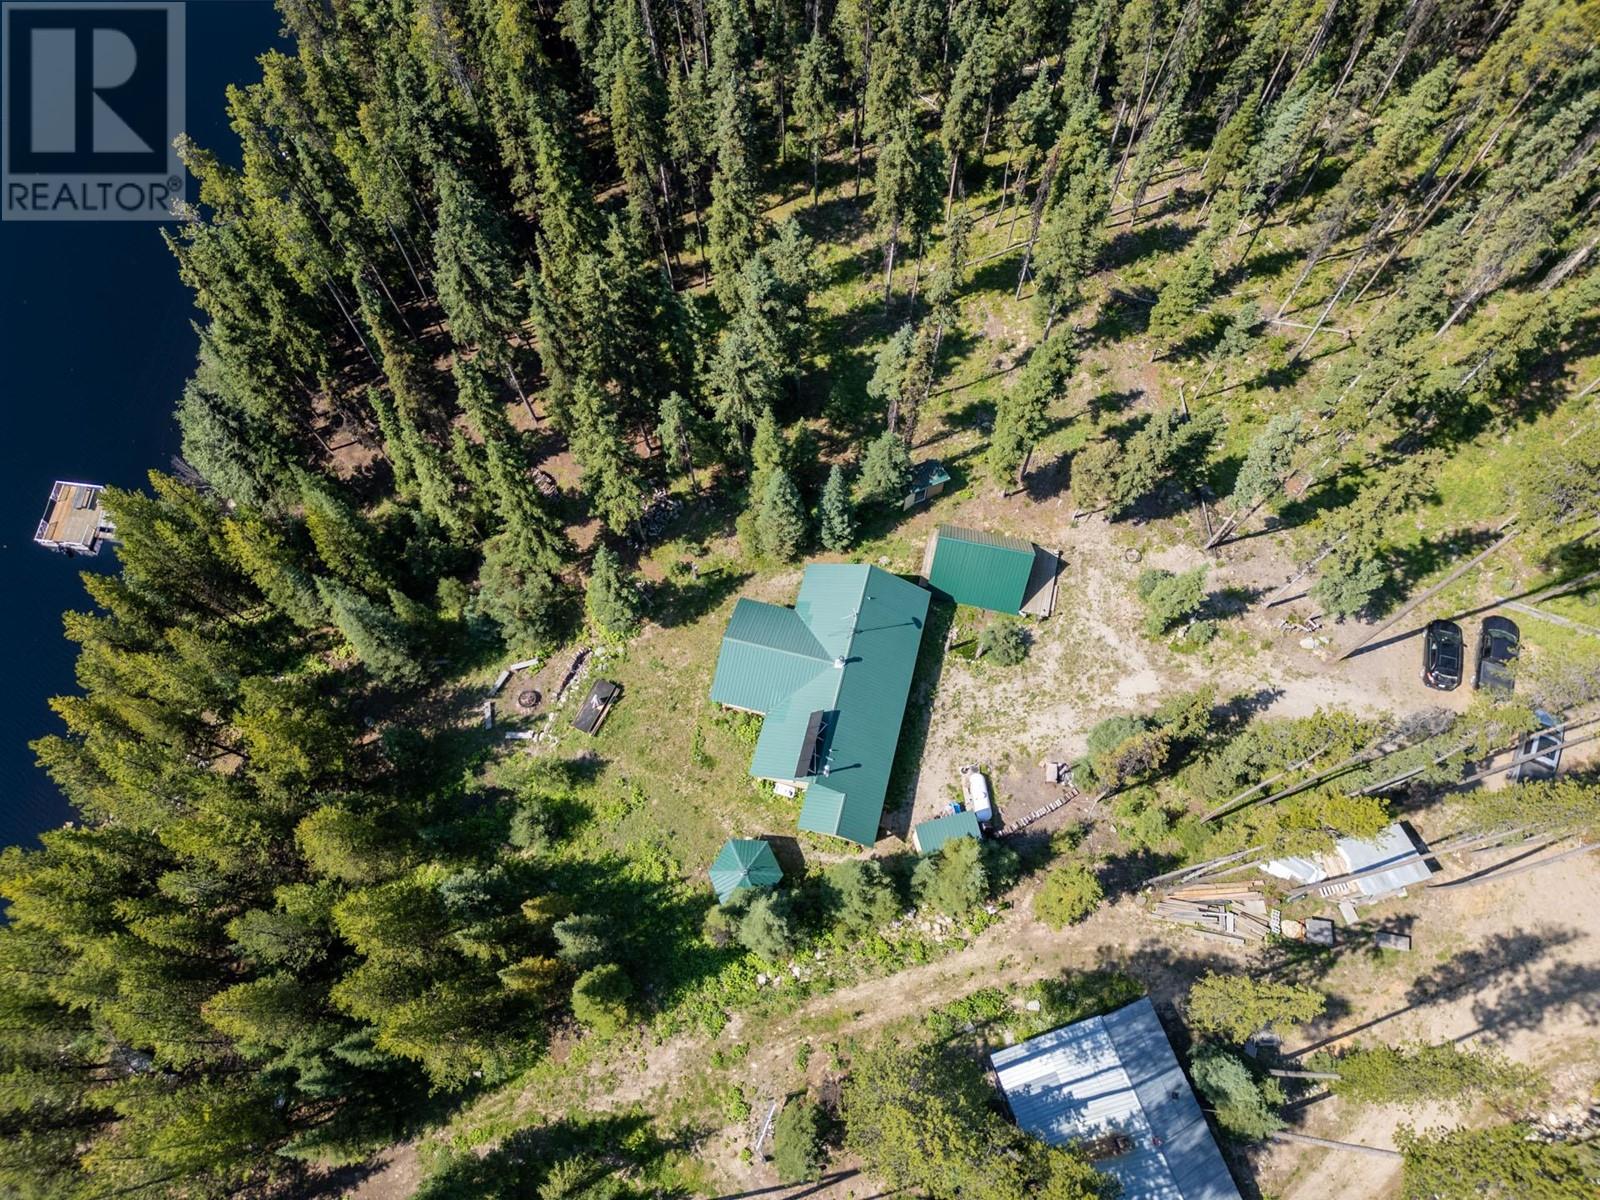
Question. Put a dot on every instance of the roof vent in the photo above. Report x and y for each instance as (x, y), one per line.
(839, 662)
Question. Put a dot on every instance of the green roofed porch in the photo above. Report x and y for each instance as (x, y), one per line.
(831, 676)
(743, 863)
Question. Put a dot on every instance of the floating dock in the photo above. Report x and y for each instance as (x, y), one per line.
(73, 521)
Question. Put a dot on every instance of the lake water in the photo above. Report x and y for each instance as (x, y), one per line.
(95, 346)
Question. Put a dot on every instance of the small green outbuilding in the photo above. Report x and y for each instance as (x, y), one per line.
(743, 863)
(989, 570)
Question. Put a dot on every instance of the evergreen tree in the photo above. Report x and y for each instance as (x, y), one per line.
(734, 222)
(837, 517)
(372, 632)
(1023, 412)
(885, 470)
(612, 600)
(781, 527)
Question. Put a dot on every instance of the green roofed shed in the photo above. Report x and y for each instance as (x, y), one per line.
(743, 863)
(985, 570)
(931, 836)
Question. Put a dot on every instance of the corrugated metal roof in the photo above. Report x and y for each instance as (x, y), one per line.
(984, 570)
(743, 863)
(932, 835)
(1117, 1074)
(928, 473)
(1390, 845)
(862, 628)
(767, 655)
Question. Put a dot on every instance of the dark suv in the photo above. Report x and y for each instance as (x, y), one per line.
(1443, 655)
(1499, 643)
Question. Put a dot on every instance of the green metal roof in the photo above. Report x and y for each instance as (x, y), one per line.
(984, 570)
(928, 473)
(743, 863)
(832, 679)
(932, 835)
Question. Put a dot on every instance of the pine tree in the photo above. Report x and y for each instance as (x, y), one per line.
(888, 375)
(734, 222)
(885, 470)
(1023, 412)
(837, 517)
(611, 599)
(781, 527)
(813, 101)
(373, 633)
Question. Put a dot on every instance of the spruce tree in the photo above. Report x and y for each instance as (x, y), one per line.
(373, 632)
(837, 525)
(611, 599)
(781, 527)
(886, 470)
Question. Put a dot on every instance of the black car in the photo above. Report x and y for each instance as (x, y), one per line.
(1499, 643)
(1444, 654)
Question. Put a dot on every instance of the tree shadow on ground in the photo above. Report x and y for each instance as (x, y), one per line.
(1106, 404)
(513, 1168)
(685, 601)
(906, 773)
(1128, 247)
(1409, 565)
(1514, 992)
(1265, 262)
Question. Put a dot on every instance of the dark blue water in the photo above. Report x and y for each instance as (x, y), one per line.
(95, 345)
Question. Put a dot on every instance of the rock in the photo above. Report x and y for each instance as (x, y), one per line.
(1308, 643)
(1033, 1006)
(794, 969)
(761, 981)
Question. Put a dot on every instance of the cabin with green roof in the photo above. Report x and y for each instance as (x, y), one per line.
(930, 836)
(830, 676)
(992, 571)
(741, 864)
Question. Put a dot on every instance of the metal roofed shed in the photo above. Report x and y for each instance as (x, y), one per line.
(592, 712)
(1113, 1080)
(931, 836)
(991, 571)
(1392, 845)
(743, 863)
(831, 676)
(1350, 856)
(73, 521)
(928, 479)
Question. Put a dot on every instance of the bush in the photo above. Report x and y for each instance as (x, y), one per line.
(1170, 599)
(584, 940)
(863, 897)
(797, 1149)
(1245, 1104)
(953, 880)
(602, 999)
(767, 929)
(1238, 1006)
(1005, 641)
(1069, 894)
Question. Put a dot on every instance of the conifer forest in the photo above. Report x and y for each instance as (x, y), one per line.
(536, 331)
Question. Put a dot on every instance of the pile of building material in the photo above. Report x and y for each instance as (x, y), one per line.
(1235, 911)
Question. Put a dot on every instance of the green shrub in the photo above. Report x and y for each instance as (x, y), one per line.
(1239, 1006)
(1068, 894)
(1004, 642)
(1170, 599)
(767, 929)
(798, 1152)
(1245, 1104)
(602, 998)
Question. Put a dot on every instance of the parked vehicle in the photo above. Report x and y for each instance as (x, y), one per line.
(1499, 643)
(1539, 756)
(1444, 655)
(980, 803)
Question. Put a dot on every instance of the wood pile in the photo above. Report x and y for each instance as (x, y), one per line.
(1237, 912)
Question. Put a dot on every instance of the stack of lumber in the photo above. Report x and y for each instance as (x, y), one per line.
(1234, 911)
